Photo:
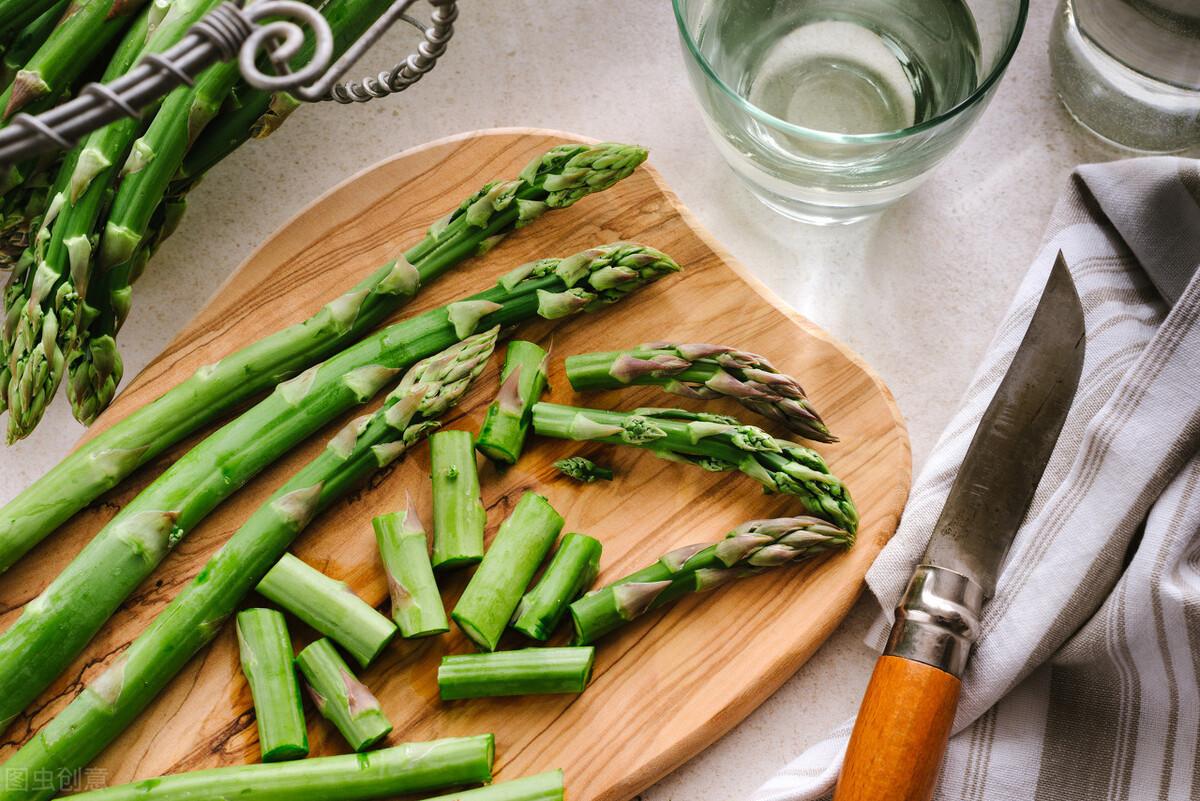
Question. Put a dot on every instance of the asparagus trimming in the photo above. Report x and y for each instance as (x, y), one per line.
(583, 470)
(416, 603)
(329, 606)
(522, 382)
(712, 442)
(571, 572)
(532, 671)
(704, 372)
(519, 548)
(341, 698)
(747, 550)
(458, 514)
(113, 700)
(265, 650)
(402, 769)
(105, 460)
(541, 787)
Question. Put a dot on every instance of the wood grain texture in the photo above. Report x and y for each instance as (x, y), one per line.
(664, 688)
(899, 739)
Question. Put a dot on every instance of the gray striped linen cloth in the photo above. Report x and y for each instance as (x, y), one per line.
(1085, 684)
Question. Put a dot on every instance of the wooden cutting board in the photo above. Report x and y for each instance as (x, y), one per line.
(665, 687)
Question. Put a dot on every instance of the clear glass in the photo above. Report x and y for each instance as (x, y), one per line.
(1129, 70)
(831, 110)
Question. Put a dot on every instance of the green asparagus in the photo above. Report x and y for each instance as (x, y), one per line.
(532, 671)
(583, 470)
(569, 575)
(341, 698)
(266, 654)
(29, 40)
(329, 606)
(748, 549)
(458, 514)
(522, 383)
(402, 769)
(416, 603)
(214, 390)
(542, 787)
(55, 626)
(113, 700)
(17, 14)
(704, 372)
(520, 546)
(713, 442)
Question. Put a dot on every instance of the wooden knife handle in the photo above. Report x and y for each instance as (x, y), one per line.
(900, 737)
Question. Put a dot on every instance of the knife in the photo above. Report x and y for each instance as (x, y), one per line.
(903, 725)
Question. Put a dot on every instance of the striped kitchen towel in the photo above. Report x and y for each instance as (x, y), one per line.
(1085, 684)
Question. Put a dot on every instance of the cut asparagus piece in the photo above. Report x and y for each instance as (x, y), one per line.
(747, 550)
(329, 606)
(416, 603)
(522, 383)
(458, 514)
(105, 460)
(569, 575)
(583, 470)
(542, 787)
(532, 671)
(112, 701)
(712, 442)
(341, 698)
(402, 769)
(266, 654)
(520, 546)
(704, 372)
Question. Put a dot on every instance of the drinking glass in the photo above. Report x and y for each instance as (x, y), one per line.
(830, 110)
(1129, 70)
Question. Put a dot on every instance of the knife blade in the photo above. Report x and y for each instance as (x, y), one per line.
(903, 725)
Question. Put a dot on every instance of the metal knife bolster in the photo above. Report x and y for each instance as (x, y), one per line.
(937, 620)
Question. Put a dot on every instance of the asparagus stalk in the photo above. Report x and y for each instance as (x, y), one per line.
(55, 626)
(266, 653)
(113, 700)
(16, 14)
(520, 546)
(704, 372)
(713, 442)
(416, 604)
(522, 383)
(458, 514)
(532, 671)
(408, 768)
(583, 470)
(214, 390)
(541, 787)
(341, 698)
(329, 606)
(746, 550)
(571, 572)
(30, 39)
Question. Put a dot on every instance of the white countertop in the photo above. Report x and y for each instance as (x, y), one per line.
(917, 292)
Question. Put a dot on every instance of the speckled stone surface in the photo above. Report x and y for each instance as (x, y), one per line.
(917, 292)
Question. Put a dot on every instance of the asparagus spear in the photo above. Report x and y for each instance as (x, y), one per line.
(522, 383)
(56, 625)
(748, 549)
(541, 787)
(212, 391)
(704, 372)
(520, 546)
(266, 654)
(571, 572)
(52, 308)
(583, 470)
(416, 604)
(341, 698)
(329, 606)
(30, 39)
(458, 514)
(16, 14)
(113, 700)
(532, 671)
(408, 768)
(713, 442)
